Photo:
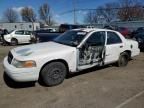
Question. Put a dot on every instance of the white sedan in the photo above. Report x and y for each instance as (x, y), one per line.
(18, 37)
(72, 51)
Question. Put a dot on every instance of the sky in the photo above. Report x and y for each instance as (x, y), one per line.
(57, 7)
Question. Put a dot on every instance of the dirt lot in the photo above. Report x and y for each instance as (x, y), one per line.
(107, 87)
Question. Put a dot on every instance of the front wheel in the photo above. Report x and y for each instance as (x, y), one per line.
(123, 60)
(14, 42)
(54, 73)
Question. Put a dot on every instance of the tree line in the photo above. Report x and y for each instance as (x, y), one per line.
(123, 10)
(28, 15)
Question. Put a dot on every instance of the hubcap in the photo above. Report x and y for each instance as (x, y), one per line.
(56, 74)
(13, 42)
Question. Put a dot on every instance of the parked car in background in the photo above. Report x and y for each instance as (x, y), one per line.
(140, 29)
(137, 31)
(139, 37)
(18, 37)
(49, 29)
(45, 35)
(124, 31)
(65, 27)
(110, 27)
(73, 51)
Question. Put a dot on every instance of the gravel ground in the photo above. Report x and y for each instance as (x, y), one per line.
(107, 87)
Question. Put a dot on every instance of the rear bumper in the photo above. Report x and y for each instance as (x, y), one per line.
(136, 52)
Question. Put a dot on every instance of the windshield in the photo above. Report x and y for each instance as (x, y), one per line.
(71, 38)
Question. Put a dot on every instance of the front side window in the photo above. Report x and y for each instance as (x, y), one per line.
(96, 39)
(20, 32)
(113, 38)
(71, 38)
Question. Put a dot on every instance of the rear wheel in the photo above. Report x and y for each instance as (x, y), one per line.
(14, 42)
(54, 73)
(123, 60)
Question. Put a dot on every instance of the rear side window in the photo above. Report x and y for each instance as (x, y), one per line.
(20, 32)
(28, 32)
(113, 38)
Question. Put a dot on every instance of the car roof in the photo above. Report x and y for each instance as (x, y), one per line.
(93, 29)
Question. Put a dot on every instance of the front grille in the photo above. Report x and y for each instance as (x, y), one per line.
(10, 57)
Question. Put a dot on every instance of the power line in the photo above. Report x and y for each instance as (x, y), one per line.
(74, 11)
(77, 10)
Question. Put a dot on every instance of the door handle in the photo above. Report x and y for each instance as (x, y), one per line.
(121, 46)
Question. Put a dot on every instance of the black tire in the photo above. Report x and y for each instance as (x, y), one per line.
(14, 42)
(54, 73)
(123, 60)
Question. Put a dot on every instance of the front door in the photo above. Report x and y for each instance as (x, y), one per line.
(91, 53)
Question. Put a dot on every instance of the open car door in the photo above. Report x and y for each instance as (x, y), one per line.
(92, 51)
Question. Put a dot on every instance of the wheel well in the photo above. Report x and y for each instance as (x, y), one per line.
(128, 52)
(57, 60)
(14, 39)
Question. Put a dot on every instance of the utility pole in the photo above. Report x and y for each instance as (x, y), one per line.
(74, 12)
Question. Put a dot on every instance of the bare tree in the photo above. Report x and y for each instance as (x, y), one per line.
(10, 15)
(28, 15)
(130, 10)
(45, 14)
(108, 11)
(90, 17)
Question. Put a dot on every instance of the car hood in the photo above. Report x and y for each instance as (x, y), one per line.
(41, 49)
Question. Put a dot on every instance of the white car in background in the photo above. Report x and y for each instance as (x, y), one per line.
(72, 51)
(18, 37)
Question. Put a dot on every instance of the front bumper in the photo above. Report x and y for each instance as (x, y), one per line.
(20, 74)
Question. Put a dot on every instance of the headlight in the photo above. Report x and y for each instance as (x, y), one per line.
(23, 64)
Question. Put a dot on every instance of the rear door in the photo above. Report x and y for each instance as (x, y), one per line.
(19, 35)
(27, 36)
(114, 47)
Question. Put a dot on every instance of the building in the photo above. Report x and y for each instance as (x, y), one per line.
(132, 25)
(20, 25)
